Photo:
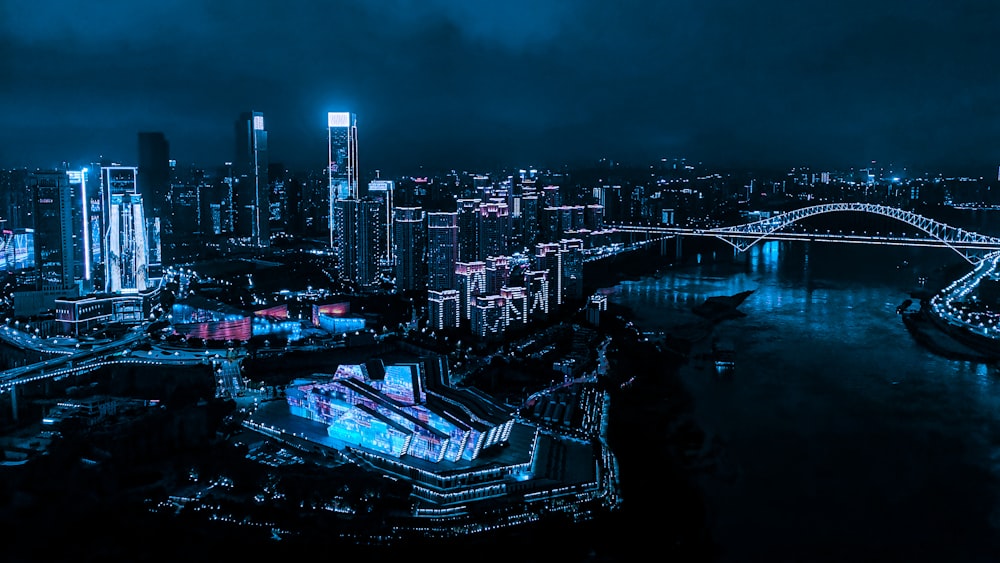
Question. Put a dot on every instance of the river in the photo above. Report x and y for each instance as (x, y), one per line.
(840, 437)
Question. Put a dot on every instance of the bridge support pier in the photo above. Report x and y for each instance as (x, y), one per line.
(13, 401)
(678, 248)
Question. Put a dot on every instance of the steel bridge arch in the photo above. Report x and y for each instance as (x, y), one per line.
(954, 238)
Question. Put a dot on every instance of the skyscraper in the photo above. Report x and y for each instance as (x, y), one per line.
(468, 229)
(342, 165)
(410, 248)
(125, 247)
(494, 226)
(53, 215)
(252, 192)
(356, 221)
(154, 186)
(381, 192)
(442, 250)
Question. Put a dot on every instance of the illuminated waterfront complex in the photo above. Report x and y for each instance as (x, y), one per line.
(385, 408)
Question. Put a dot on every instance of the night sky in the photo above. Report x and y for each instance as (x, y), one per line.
(468, 83)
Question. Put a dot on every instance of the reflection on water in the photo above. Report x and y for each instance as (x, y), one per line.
(840, 431)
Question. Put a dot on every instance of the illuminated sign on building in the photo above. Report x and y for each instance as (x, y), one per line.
(338, 119)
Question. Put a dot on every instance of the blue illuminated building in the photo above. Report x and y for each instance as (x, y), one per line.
(386, 409)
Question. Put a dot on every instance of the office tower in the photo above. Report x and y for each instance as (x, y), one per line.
(515, 306)
(571, 258)
(53, 223)
(444, 309)
(154, 186)
(497, 273)
(442, 250)
(125, 247)
(356, 220)
(536, 284)
(251, 189)
(468, 229)
(381, 192)
(470, 279)
(494, 229)
(410, 235)
(342, 164)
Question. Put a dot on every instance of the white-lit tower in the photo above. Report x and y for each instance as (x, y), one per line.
(125, 248)
(342, 164)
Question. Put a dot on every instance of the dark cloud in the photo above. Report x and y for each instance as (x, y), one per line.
(469, 83)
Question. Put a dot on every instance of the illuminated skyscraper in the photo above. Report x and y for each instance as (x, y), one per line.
(571, 261)
(410, 248)
(342, 165)
(53, 223)
(442, 250)
(252, 191)
(356, 220)
(125, 247)
(381, 192)
(82, 248)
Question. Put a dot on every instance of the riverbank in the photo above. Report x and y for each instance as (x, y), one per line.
(928, 334)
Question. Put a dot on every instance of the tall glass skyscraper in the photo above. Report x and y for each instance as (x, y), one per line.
(125, 247)
(253, 208)
(342, 165)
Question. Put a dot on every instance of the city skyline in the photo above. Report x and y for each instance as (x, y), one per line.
(468, 85)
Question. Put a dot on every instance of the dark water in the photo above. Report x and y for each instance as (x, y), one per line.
(841, 439)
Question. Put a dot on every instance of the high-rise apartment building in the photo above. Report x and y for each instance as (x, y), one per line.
(252, 190)
(470, 278)
(549, 258)
(468, 229)
(342, 164)
(444, 309)
(494, 226)
(571, 259)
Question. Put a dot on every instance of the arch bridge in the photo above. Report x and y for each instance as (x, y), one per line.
(970, 245)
